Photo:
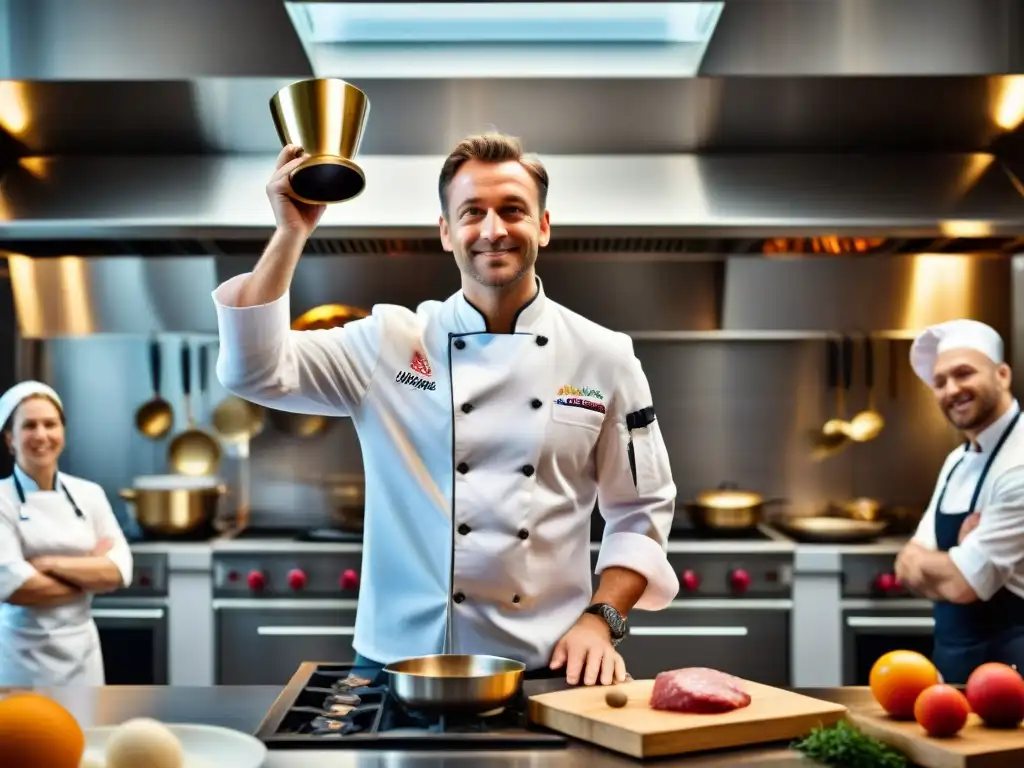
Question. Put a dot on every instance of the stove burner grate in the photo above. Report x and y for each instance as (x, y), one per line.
(332, 706)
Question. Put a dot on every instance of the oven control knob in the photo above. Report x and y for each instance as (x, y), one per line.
(256, 580)
(349, 579)
(886, 582)
(691, 581)
(739, 580)
(296, 579)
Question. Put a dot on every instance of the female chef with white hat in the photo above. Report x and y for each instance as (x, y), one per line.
(968, 552)
(59, 544)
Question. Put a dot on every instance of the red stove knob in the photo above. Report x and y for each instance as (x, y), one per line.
(143, 580)
(886, 582)
(296, 579)
(739, 580)
(256, 580)
(349, 579)
(691, 581)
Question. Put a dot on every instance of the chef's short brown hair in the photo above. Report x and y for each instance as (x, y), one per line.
(491, 148)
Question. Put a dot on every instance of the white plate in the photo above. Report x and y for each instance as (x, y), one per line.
(205, 746)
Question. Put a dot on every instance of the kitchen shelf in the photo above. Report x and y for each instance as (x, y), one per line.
(671, 336)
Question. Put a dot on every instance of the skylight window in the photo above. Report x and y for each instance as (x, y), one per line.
(476, 23)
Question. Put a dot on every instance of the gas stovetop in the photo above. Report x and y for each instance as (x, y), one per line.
(332, 706)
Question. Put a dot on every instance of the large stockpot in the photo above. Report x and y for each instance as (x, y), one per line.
(727, 509)
(455, 683)
(174, 505)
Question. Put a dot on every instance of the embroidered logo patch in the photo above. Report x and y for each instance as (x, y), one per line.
(420, 365)
(580, 397)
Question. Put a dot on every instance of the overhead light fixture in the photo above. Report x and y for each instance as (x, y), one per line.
(475, 23)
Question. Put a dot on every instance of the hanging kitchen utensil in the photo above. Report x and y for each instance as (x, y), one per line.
(322, 317)
(155, 417)
(194, 451)
(867, 424)
(455, 684)
(727, 509)
(831, 439)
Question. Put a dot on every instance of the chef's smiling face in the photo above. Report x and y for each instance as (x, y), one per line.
(494, 225)
(969, 388)
(36, 434)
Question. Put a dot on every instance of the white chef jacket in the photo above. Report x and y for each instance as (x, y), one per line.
(483, 454)
(992, 556)
(59, 645)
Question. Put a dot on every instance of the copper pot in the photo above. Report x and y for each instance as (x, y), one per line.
(174, 505)
(727, 508)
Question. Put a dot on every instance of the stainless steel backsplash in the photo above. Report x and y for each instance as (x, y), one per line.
(732, 410)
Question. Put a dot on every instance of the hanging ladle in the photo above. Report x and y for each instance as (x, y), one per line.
(831, 438)
(194, 451)
(867, 424)
(155, 417)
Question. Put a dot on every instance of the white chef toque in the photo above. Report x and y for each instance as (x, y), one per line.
(14, 396)
(955, 334)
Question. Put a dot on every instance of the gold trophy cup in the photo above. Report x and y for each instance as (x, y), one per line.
(326, 117)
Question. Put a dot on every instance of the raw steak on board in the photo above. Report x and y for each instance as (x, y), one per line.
(698, 690)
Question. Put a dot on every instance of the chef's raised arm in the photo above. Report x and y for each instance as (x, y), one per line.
(262, 360)
(636, 493)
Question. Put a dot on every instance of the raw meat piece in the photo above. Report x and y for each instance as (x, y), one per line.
(698, 690)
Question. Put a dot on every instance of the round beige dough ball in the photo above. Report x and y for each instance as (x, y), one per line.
(144, 741)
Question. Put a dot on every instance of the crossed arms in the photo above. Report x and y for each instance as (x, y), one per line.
(58, 580)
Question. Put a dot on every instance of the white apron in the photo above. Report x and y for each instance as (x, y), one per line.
(51, 646)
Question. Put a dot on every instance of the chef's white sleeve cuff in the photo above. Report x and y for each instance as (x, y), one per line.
(645, 556)
(248, 334)
(121, 556)
(13, 577)
(977, 569)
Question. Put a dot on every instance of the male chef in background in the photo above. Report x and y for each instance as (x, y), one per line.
(968, 552)
(490, 422)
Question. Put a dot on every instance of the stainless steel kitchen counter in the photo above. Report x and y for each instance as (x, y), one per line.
(243, 707)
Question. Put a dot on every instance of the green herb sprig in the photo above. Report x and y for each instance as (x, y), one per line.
(843, 746)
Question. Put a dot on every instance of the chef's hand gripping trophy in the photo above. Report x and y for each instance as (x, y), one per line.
(326, 117)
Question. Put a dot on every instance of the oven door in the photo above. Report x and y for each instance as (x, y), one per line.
(133, 636)
(746, 638)
(263, 642)
(872, 628)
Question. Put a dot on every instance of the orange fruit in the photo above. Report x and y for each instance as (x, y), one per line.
(37, 732)
(898, 678)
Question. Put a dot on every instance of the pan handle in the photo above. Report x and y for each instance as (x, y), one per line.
(186, 368)
(155, 365)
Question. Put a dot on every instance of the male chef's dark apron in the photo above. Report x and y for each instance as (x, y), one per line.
(967, 636)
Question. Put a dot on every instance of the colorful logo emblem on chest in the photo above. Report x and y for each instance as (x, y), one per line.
(580, 397)
(420, 365)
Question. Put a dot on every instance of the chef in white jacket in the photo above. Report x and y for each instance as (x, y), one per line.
(490, 423)
(968, 552)
(59, 544)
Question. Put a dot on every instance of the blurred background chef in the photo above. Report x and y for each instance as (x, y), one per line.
(968, 552)
(59, 544)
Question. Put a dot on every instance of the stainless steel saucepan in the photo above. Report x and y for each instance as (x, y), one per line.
(454, 683)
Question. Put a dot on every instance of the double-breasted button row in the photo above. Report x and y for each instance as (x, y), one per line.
(458, 597)
(464, 530)
(526, 469)
(468, 407)
(461, 344)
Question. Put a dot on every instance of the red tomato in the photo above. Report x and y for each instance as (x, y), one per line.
(941, 710)
(898, 677)
(996, 693)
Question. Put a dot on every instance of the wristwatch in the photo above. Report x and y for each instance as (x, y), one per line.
(616, 623)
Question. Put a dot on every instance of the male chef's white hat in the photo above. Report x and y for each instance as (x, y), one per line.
(14, 396)
(955, 334)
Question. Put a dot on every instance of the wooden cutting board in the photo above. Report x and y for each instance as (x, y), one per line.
(974, 747)
(639, 731)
